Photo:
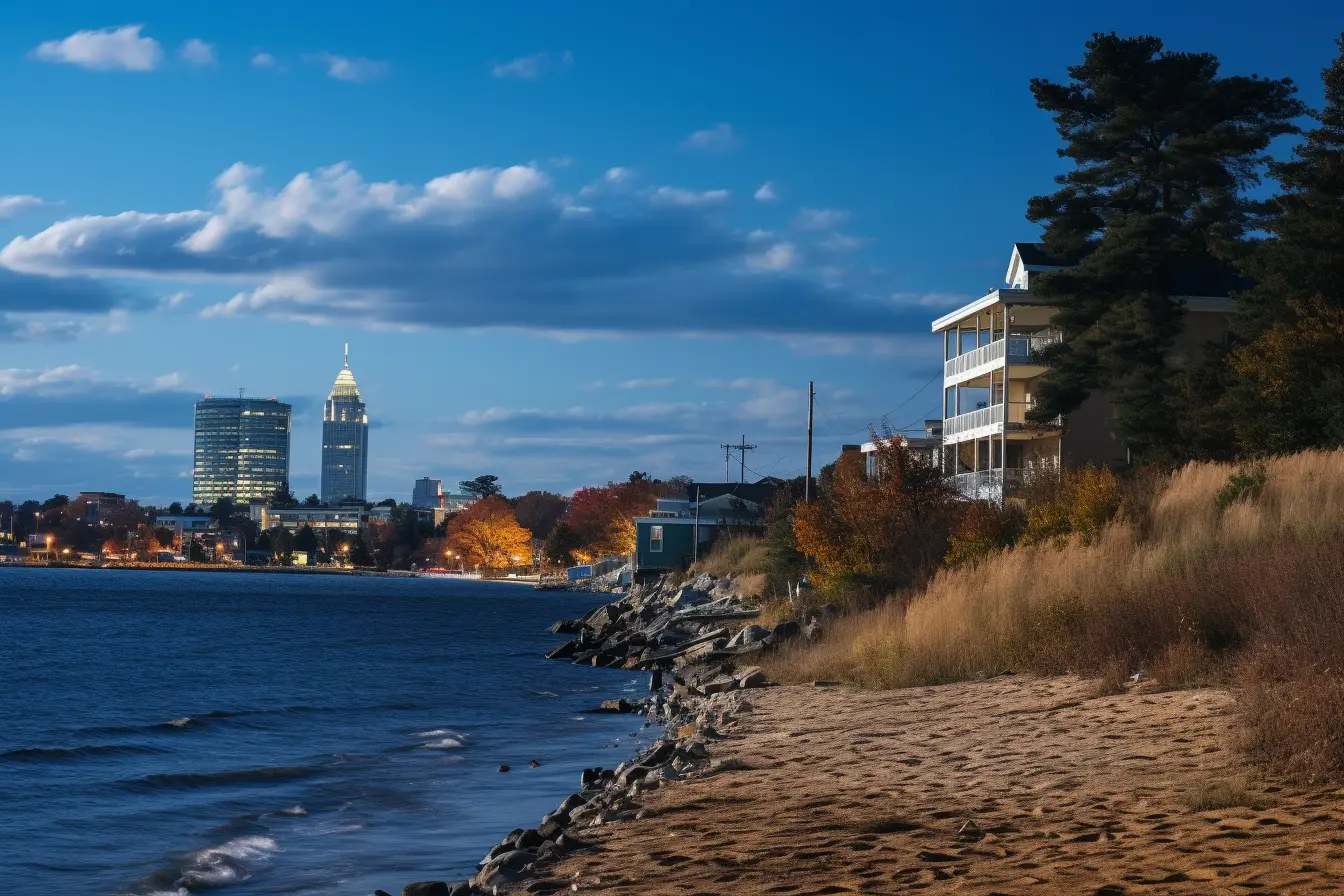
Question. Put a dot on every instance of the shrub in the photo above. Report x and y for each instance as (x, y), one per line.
(982, 529)
(1246, 482)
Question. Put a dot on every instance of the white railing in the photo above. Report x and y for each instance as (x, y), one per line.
(955, 426)
(987, 485)
(972, 359)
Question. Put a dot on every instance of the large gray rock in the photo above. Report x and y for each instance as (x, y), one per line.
(751, 678)
(513, 860)
(687, 598)
(750, 635)
(703, 582)
(426, 888)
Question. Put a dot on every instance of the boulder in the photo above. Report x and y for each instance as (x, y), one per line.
(704, 582)
(750, 635)
(751, 678)
(615, 706)
(719, 686)
(568, 842)
(564, 651)
(567, 627)
(687, 598)
(549, 830)
(513, 860)
(426, 888)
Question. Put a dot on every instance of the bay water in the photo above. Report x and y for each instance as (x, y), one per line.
(251, 733)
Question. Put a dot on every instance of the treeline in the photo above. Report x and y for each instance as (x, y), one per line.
(1168, 155)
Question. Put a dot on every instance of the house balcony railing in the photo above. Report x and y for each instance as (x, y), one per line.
(992, 415)
(1017, 349)
(988, 485)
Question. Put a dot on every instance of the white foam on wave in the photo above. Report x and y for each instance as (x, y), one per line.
(448, 743)
(437, 732)
(217, 866)
(181, 723)
(292, 810)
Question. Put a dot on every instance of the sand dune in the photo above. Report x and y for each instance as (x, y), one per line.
(1013, 785)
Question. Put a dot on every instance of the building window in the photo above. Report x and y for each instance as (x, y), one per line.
(655, 539)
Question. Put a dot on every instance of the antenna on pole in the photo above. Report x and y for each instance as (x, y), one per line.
(807, 482)
(347, 354)
(742, 447)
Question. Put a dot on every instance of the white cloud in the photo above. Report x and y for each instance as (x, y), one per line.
(655, 383)
(766, 193)
(104, 49)
(618, 175)
(530, 68)
(262, 59)
(345, 68)
(484, 247)
(52, 381)
(168, 381)
(16, 205)
(678, 196)
(173, 300)
(716, 139)
(779, 257)
(820, 218)
(842, 242)
(197, 52)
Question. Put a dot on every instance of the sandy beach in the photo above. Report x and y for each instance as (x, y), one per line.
(1011, 785)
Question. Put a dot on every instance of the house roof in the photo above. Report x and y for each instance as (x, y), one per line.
(759, 492)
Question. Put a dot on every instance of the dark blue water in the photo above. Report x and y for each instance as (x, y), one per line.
(173, 732)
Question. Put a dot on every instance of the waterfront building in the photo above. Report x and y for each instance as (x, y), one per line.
(94, 507)
(992, 350)
(241, 449)
(345, 440)
(427, 493)
(346, 519)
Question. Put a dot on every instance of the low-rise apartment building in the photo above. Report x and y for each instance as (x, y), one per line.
(992, 363)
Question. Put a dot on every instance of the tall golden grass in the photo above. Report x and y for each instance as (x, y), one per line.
(1184, 590)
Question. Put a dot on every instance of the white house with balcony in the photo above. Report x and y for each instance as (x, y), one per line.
(992, 363)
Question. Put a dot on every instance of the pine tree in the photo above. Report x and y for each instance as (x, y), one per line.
(1289, 388)
(1164, 149)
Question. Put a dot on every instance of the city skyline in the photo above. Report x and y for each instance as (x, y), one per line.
(568, 243)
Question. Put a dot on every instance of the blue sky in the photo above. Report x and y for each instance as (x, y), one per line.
(564, 241)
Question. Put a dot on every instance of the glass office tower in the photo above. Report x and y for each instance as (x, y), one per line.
(242, 449)
(345, 440)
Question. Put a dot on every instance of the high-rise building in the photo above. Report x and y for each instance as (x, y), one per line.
(428, 493)
(345, 440)
(242, 449)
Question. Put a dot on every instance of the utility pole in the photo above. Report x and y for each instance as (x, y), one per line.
(807, 482)
(695, 549)
(726, 449)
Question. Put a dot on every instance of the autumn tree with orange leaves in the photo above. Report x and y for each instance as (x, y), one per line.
(880, 535)
(603, 516)
(487, 534)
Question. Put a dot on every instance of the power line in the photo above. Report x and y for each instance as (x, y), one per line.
(869, 424)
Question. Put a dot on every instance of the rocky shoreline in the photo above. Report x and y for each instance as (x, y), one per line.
(699, 676)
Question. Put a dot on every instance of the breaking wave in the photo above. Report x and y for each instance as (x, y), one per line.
(214, 866)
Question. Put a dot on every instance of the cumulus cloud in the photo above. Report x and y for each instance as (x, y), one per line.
(261, 59)
(530, 68)
(346, 68)
(779, 257)
(17, 205)
(654, 383)
(766, 192)
(716, 139)
(678, 196)
(820, 218)
(104, 49)
(484, 247)
(618, 175)
(195, 51)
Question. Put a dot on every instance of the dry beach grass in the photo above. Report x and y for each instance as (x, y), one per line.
(1012, 785)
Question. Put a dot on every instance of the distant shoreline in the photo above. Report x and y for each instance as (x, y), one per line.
(239, 568)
